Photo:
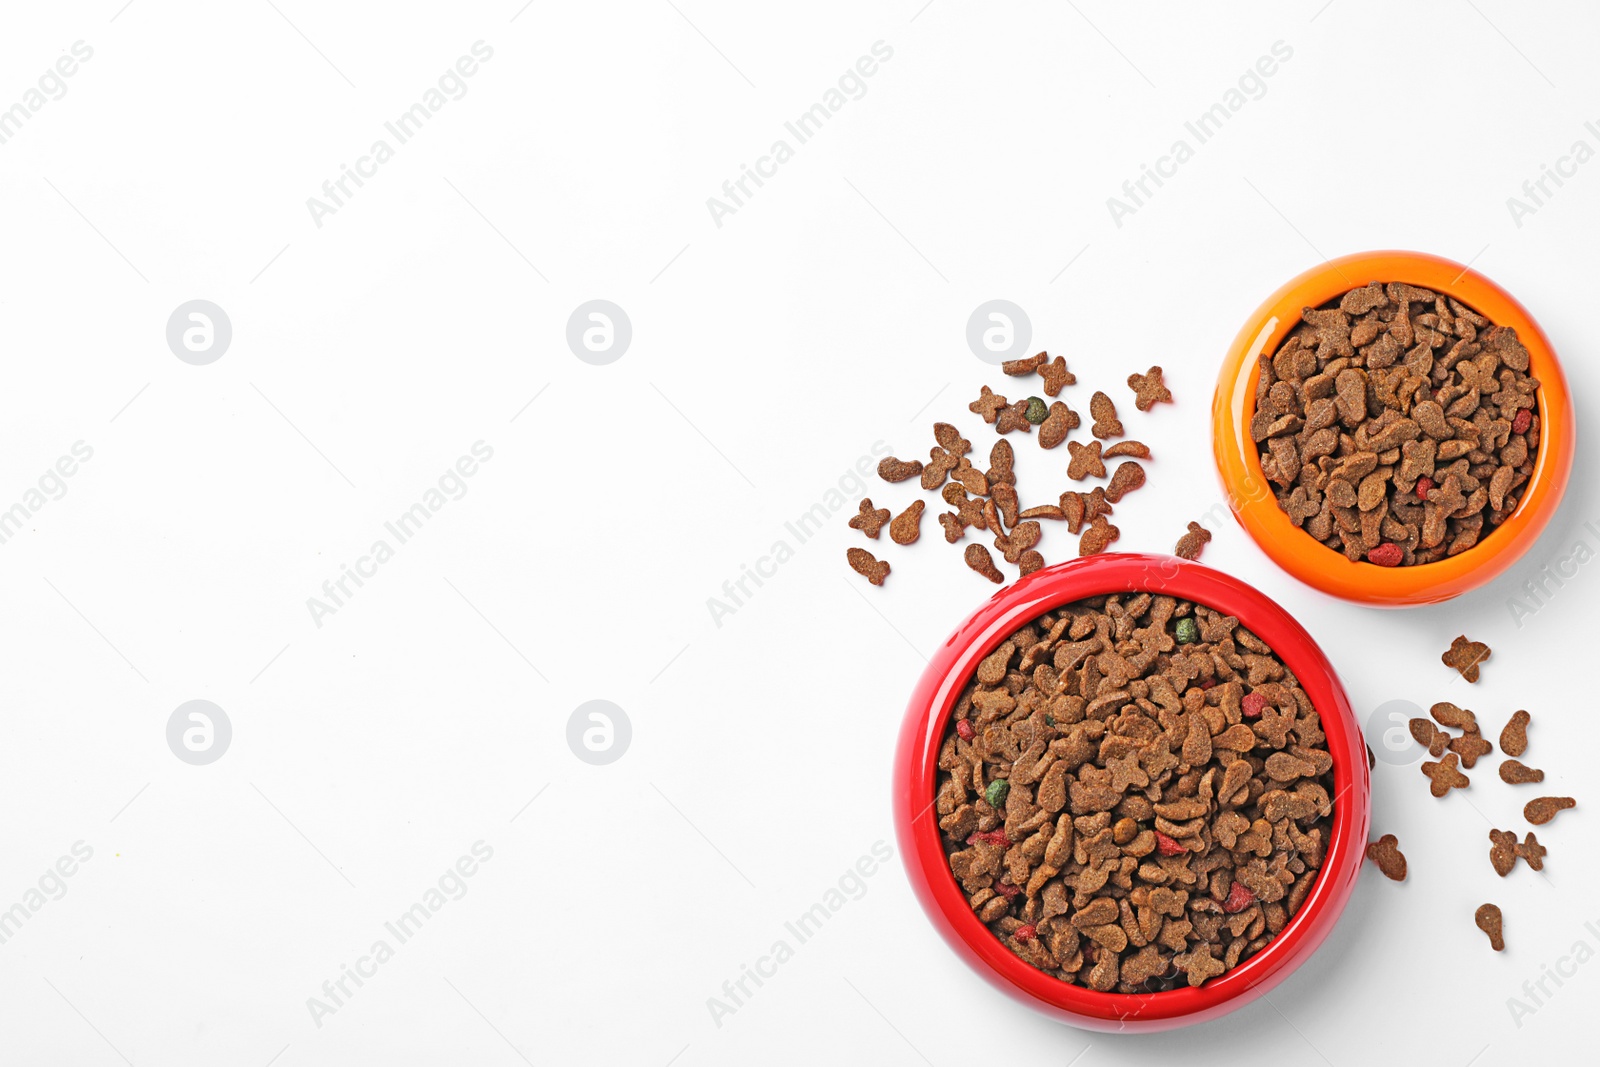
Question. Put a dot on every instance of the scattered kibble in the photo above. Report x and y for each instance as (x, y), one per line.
(1514, 738)
(1488, 919)
(1036, 411)
(1515, 772)
(1190, 544)
(1385, 852)
(1466, 656)
(1541, 810)
(1148, 389)
(867, 565)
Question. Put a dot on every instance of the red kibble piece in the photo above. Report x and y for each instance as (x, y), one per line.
(1207, 683)
(1168, 846)
(1006, 889)
(1424, 487)
(1239, 898)
(1387, 554)
(964, 729)
(1254, 704)
(1026, 933)
(1523, 420)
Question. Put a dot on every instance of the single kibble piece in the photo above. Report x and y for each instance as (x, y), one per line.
(1385, 852)
(1124, 480)
(1097, 537)
(1469, 747)
(950, 439)
(1056, 376)
(1190, 544)
(1019, 367)
(870, 520)
(867, 565)
(978, 559)
(1445, 775)
(1515, 772)
(1541, 810)
(898, 470)
(907, 526)
(989, 405)
(1187, 632)
(1429, 736)
(1057, 424)
(1514, 738)
(1014, 417)
(1036, 411)
(1084, 461)
(1465, 656)
(1489, 921)
(1448, 714)
(1136, 449)
(1104, 413)
(1148, 389)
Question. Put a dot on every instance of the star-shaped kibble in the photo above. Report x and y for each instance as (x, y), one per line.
(1148, 389)
(1445, 775)
(1465, 656)
(1085, 461)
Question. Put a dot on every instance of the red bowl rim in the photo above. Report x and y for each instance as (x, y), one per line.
(916, 777)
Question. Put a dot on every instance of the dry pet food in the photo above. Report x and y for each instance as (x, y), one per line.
(1515, 772)
(1014, 417)
(989, 405)
(1514, 738)
(1104, 413)
(870, 520)
(898, 470)
(1057, 424)
(1019, 367)
(1397, 416)
(1504, 851)
(1056, 376)
(1385, 852)
(1085, 461)
(1002, 463)
(907, 526)
(867, 565)
(1190, 544)
(1136, 449)
(1036, 411)
(978, 559)
(1429, 736)
(1445, 775)
(1488, 919)
(1148, 389)
(1099, 535)
(1543, 809)
(1125, 479)
(1465, 656)
(1112, 815)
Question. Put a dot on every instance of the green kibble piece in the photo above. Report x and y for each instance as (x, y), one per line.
(1188, 631)
(1037, 411)
(996, 793)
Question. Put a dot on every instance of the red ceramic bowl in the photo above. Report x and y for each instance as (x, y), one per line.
(916, 779)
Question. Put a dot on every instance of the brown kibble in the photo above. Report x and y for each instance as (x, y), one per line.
(1190, 544)
(1385, 852)
(1447, 714)
(1056, 425)
(867, 565)
(1056, 376)
(1043, 511)
(870, 520)
(1097, 537)
(1002, 461)
(1541, 810)
(1429, 736)
(1148, 389)
(1029, 561)
(1465, 656)
(940, 464)
(1085, 461)
(950, 439)
(1014, 417)
(978, 559)
(1514, 772)
(989, 405)
(1502, 851)
(1469, 747)
(1136, 449)
(1104, 413)
(1018, 367)
(898, 470)
(1125, 479)
(1532, 852)
(907, 526)
(1445, 775)
(1514, 738)
(1489, 921)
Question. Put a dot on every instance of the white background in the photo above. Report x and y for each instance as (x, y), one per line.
(769, 355)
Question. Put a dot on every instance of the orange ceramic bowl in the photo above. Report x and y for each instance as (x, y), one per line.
(1296, 551)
